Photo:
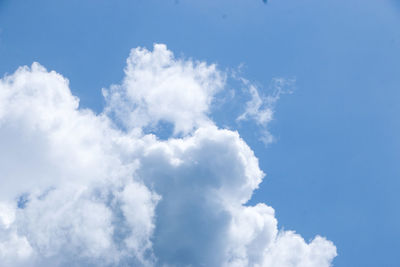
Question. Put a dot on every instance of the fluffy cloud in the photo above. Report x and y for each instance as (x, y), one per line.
(159, 88)
(81, 189)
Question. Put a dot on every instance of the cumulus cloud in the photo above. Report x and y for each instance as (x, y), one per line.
(157, 87)
(86, 189)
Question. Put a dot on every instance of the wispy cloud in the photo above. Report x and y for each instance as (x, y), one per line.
(260, 108)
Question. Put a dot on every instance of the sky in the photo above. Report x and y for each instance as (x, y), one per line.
(184, 105)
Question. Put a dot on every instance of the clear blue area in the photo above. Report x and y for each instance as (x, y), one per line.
(335, 168)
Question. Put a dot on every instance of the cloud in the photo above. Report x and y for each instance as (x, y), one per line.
(261, 108)
(82, 189)
(157, 87)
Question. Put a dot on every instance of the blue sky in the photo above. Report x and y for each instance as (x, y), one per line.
(333, 168)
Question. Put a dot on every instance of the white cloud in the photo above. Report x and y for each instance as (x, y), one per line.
(261, 108)
(157, 87)
(318, 252)
(80, 191)
(254, 107)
